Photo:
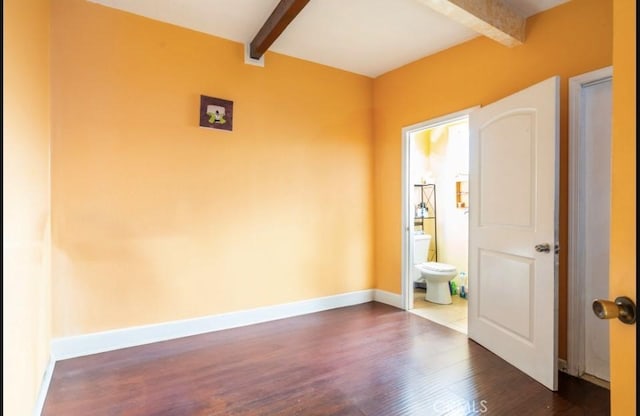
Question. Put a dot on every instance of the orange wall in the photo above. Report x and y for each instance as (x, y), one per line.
(567, 40)
(26, 237)
(622, 267)
(155, 219)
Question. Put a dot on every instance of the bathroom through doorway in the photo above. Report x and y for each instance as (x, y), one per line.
(435, 210)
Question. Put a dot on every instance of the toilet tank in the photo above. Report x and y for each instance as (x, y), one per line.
(421, 243)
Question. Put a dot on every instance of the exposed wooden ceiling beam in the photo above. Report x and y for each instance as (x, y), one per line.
(280, 18)
(491, 18)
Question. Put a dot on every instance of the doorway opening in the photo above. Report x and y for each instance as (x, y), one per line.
(436, 220)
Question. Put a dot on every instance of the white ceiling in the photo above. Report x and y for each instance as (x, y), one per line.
(368, 37)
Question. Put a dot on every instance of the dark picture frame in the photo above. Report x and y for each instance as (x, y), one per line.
(216, 113)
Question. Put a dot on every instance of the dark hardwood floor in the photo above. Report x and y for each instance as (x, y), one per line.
(370, 359)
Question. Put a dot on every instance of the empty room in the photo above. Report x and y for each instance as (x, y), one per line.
(210, 207)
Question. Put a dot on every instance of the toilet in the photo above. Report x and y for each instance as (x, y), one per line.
(436, 275)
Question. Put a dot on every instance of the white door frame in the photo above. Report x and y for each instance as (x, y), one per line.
(575, 273)
(407, 211)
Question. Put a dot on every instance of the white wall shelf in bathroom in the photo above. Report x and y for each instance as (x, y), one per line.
(462, 193)
(425, 214)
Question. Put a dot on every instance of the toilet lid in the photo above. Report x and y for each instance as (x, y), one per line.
(439, 267)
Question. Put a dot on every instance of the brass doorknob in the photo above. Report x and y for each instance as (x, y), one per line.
(622, 308)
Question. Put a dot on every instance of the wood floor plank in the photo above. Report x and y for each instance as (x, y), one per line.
(369, 359)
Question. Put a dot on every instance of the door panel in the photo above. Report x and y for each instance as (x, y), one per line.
(622, 252)
(513, 208)
(509, 135)
(492, 267)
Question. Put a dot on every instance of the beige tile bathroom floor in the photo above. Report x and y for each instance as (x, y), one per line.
(453, 316)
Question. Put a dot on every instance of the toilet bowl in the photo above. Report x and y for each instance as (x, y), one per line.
(437, 277)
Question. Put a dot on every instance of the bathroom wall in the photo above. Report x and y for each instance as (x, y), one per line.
(420, 174)
(26, 208)
(571, 39)
(441, 154)
(156, 219)
(419, 150)
(449, 159)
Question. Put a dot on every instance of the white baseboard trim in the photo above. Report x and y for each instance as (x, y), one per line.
(597, 381)
(77, 346)
(44, 388)
(564, 367)
(389, 298)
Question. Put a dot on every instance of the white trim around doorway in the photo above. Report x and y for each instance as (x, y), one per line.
(576, 256)
(407, 217)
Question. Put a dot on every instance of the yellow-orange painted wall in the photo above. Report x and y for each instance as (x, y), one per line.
(155, 219)
(567, 40)
(26, 237)
(622, 267)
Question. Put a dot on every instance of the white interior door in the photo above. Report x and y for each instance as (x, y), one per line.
(513, 208)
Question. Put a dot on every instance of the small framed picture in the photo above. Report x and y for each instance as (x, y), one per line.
(216, 113)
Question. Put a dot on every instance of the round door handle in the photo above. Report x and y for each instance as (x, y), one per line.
(622, 308)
